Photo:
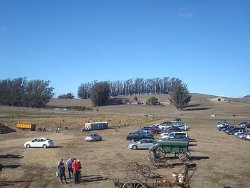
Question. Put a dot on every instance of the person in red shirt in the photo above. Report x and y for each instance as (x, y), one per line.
(75, 167)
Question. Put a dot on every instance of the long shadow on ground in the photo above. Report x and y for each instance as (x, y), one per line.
(93, 178)
(9, 183)
(197, 158)
(10, 156)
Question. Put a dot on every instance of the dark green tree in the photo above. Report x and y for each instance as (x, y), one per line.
(136, 99)
(179, 96)
(152, 101)
(20, 92)
(66, 96)
(100, 93)
(38, 93)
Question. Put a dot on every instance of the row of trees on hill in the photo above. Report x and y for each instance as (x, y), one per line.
(36, 93)
(179, 94)
(66, 96)
(21, 92)
(136, 86)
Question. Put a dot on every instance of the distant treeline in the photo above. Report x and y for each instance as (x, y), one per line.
(136, 86)
(21, 92)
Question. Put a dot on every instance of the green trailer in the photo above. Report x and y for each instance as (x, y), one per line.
(173, 146)
(161, 153)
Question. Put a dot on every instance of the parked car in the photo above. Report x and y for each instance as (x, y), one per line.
(241, 135)
(180, 125)
(166, 135)
(165, 125)
(93, 137)
(240, 131)
(227, 128)
(242, 124)
(172, 129)
(247, 125)
(141, 144)
(245, 135)
(39, 143)
(146, 130)
(156, 128)
(179, 138)
(139, 135)
(222, 125)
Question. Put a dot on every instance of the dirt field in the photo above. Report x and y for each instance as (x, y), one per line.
(223, 160)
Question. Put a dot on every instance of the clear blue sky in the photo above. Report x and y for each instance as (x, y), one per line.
(206, 44)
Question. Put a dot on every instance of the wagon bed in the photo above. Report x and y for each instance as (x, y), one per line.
(159, 153)
(173, 146)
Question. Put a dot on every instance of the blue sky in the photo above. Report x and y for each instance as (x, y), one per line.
(206, 44)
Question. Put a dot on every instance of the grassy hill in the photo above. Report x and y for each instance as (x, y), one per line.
(59, 113)
(87, 102)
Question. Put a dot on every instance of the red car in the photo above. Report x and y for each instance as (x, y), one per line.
(245, 136)
(247, 125)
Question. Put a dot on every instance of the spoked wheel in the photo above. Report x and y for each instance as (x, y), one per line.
(133, 184)
(160, 153)
(184, 157)
(145, 170)
(163, 163)
(132, 169)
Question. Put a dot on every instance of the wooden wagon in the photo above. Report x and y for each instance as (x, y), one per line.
(141, 176)
(161, 153)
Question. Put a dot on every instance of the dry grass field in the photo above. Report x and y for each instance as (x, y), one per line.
(223, 160)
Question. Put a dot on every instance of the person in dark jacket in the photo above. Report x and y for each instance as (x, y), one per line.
(61, 172)
(80, 169)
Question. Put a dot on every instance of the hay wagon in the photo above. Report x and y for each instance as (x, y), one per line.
(142, 176)
(161, 153)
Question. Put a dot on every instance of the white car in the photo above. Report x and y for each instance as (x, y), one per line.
(168, 135)
(39, 143)
(180, 125)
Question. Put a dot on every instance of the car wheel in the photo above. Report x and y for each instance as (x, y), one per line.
(27, 146)
(44, 146)
(134, 147)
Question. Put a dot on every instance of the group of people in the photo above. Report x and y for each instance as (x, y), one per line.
(74, 169)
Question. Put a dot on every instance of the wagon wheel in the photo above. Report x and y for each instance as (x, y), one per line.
(133, 184)
(160, 153)
(153, 160)
(145, 170)
(188, 154)
(148, 159)
(167, 163)
(184, 157)
(132, 169)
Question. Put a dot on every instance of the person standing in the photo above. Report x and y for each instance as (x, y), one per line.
(59, 163)
(69, 164)
(61, 172)
(80, 170)
(75, 168)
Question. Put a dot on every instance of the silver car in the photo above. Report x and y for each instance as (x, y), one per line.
(141, 144)
(93, 137)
